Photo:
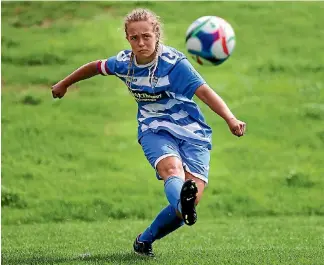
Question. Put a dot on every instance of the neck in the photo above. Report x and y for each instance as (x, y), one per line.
(146, 60)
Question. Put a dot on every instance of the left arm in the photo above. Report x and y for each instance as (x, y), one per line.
(217, 104)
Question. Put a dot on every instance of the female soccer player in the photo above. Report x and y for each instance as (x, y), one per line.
(171, 128)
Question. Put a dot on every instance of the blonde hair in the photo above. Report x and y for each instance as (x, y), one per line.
(141, 14)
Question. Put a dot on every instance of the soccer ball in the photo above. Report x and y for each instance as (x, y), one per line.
(210, 40)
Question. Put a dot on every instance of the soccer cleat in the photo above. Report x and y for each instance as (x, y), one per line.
(143, 248)
(188, 196)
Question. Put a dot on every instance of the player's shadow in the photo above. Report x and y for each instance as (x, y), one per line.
(112, 258)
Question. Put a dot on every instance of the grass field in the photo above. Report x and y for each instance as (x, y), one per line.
(75, 180)
(283, 240)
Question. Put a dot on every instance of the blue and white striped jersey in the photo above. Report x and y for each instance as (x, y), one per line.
(164, 102)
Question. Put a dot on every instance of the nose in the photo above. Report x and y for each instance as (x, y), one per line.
(140, 42)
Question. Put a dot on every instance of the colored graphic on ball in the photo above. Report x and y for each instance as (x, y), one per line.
(210, 40)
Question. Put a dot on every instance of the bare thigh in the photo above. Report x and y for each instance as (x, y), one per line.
(200, 185)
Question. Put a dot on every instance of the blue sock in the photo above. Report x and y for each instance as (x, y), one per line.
(165, 222)
(172, 189)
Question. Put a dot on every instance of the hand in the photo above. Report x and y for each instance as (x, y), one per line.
(237, 127)
(59, 90)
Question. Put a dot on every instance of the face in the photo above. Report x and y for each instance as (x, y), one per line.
(142, 39)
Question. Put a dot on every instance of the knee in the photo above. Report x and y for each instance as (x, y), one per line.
(171, 170)
(170, 167)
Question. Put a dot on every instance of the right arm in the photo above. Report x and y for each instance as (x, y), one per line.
(84, 72)
(217, 104)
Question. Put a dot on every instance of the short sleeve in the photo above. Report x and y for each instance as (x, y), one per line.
(184, 79)
(107, 66)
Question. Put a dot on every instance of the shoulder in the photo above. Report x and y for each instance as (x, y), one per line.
(184, 69)
(172, 50)
(123, 56)
(171, 55)
(118, 64)
(169, 58)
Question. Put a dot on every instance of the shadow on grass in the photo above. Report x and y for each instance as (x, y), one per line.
(113, 258)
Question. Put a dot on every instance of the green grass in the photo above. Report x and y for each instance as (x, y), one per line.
(62, 159)
(77, 159)
(220, 241)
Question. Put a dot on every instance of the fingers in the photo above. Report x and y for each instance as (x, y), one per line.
(56, 94)
(242, 127)
(239, 130)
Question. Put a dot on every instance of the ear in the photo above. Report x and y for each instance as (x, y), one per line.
(157, 34)
(157, 29)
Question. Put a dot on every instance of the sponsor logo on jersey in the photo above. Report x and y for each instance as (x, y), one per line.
(148, 97)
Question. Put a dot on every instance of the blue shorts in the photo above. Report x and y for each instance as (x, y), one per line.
(195, 158)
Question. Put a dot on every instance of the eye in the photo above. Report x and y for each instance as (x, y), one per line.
(147, 37)
(133, 37)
